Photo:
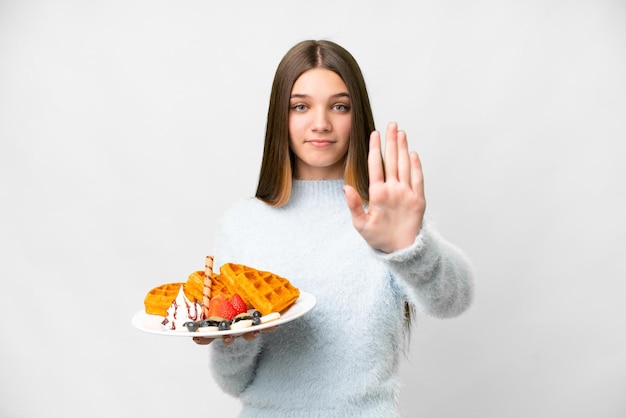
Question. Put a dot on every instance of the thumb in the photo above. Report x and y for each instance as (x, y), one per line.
(353, 199)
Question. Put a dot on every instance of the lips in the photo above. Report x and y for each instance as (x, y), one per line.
(320, 142)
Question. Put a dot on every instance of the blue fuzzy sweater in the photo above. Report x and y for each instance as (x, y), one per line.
(341, 359)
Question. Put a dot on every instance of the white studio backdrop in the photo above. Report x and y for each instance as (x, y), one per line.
(128, 127)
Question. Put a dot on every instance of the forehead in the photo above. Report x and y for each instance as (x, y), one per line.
(318, 81)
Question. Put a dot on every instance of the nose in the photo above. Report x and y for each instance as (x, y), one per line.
(321, 121)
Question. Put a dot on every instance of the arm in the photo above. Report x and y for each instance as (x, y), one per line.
(232, 360)
(434, 274)
(233, 366)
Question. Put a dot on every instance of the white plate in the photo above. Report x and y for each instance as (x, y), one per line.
(152, 323)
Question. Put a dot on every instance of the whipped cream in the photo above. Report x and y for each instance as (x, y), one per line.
(182, 310)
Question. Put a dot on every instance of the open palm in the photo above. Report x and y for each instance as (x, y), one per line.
(396, 194)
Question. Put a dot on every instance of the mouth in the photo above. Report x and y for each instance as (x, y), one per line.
(320, 142)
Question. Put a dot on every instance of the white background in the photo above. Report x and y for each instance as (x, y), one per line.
(128, 127)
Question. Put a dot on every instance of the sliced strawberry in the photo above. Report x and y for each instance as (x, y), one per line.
(215, 300)
(221, 306)
(238, 304)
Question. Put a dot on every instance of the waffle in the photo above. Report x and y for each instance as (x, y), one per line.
(195, 283)
(159, 299)
(264, 291)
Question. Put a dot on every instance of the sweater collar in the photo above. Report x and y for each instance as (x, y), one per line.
(316, 192)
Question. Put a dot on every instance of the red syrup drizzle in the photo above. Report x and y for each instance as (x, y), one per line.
(196, 315)
(167, 321)
(174, 315)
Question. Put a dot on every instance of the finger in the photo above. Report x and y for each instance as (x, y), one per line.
(391, 152)
(355, 205)
(202, 340)
(228, 339)
(404, 160)
(417, 176)
(249, 336)
(375, 159)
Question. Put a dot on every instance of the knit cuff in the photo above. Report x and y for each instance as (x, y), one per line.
(419, 257)
(405, 253)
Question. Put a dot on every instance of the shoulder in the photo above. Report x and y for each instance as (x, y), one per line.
(242, 209)
(245, 212)
(245, 205)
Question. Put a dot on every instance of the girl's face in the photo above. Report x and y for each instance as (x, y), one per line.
(319, 124)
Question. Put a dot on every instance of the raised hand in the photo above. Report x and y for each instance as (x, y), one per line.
(396, 194)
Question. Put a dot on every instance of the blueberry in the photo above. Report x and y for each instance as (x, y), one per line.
(209, 323)
(191, 326)
(224, 325)
(256, 314)
(256, 320)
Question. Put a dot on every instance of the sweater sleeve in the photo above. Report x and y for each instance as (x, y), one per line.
(435, 274)
(233, 366)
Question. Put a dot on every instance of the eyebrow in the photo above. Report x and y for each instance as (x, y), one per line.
(334, 96)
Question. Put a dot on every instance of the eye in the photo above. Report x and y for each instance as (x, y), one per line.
(299, 107)
(341, 107)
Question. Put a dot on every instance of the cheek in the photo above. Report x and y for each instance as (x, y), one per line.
(295, 127)
(345, 129)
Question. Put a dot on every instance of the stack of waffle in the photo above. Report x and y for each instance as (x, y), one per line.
(260, 290)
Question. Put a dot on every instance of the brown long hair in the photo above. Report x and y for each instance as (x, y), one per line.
(277, 166)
